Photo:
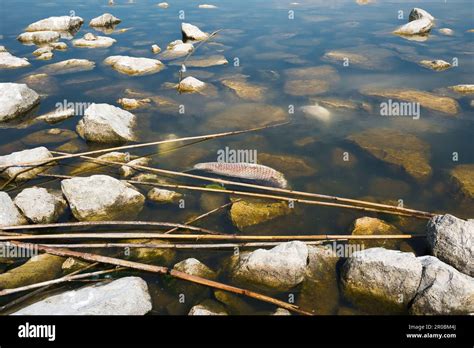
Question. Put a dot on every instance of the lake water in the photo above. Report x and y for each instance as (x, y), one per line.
(266, 41)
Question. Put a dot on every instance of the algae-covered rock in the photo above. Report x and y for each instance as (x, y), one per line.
(101, 198)
(49, 136)
(201, 62)
(163, 196)
(381, 281)
(245, 90)
(443, 290)
(397, 148)
(428, 100)
(366, 57)
(246, 213)
(276, 270)
(234, 304)
(192, 292)
(437, 64)
(463, 89)
(291, 166)
(126, 171)
(89, 166)
(310, 81)
(158, 256)
(38, 269)
(319, 290)
(372, 226)
(463, 176)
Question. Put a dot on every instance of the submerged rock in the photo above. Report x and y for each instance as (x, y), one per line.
(92, 41)
(397, 148)
(319, 291)
(207, 6)
(368, 226)
(381, 281)
(105, 20)
(446, 31)
(43, 83)
(157, 256)
(130, 103)
(368, 57)
(57, 115)
(39, 37)
(101, 198)
(61, 23)
(276, 270)
(452, 241)
(49, 136)
(104, 123)
(235, 304)
(134, 66)
(245, 90)
(163, 196)
(191, 32)
(292, 166)
(317, 112)
(163, 5)
(126, 171)
(25, 156)
(40, 206)
(247, 115)
(428, 100)
(9, 61)
(68, 66)
(9, 213)
(438, 64)
(38, 269)
(463, 175)
(310, 81)
(208, 307)
(443, 290)
(16, 99)
(203, 62)
(124, 296)
(464, 89)
(89, 166)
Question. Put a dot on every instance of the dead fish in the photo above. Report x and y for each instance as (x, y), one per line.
(248, 171)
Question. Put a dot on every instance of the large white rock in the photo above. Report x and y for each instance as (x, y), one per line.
(192, 32)
(443, 290)
(104, 123)
(176, 49)
(452, 241)
(9, 213)
(39, 37)
(101, 198)
(61, 23)
(25, 156)
(416, 27)
(93, 41)
(9, 61)
(15, 100)
(124, 296)
(134, 66)
(39, 206)
(105, 20)
(381, 280)
(278, 269)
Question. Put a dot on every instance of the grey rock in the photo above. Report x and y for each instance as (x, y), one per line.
(101, 198)
(208, 307)
(9, 213)
(39, 37)
(104, 123)
(418, 13)
(443, 290)
(26, 156)
(192, 32)
(105, 20)
(39, 206)
(163, 196)
(124, 296)
(278, 269)
(16, 99)
(380, 280)
(61, 23)
(134, 66)
(452, 241)
(9, 61)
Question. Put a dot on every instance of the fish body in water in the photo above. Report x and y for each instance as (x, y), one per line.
(249, 171)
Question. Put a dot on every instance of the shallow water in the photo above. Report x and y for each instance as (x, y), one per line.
(267, 43)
